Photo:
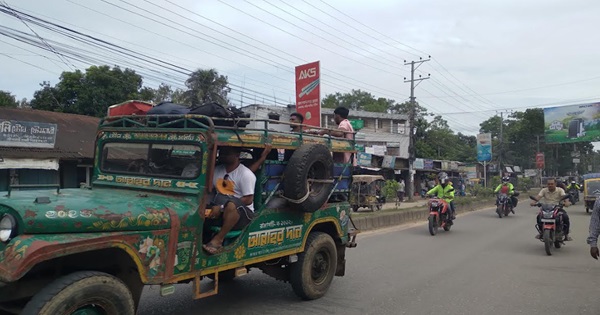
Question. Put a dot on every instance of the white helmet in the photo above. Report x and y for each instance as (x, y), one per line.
(443, 177)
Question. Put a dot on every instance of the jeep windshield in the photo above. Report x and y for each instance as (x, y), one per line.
(151, 159)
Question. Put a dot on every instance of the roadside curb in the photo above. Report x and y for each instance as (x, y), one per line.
(383, 220)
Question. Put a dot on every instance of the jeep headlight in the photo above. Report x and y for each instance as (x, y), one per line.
(8, 228)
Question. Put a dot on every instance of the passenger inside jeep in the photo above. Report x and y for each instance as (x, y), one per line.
(232, 206)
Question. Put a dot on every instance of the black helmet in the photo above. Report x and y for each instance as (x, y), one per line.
(505, 179)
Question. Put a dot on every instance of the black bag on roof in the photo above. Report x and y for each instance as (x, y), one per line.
(215, 110)
(168, 108)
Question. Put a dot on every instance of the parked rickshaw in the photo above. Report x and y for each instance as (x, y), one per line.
(591, 190)
(367, 192)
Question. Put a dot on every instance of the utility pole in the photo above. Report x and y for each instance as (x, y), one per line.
(410, 185)
(501, 146)
(539, 177)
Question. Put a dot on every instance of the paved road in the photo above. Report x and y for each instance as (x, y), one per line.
(485, 265)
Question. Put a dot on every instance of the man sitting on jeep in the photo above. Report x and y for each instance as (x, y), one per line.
(232, 207)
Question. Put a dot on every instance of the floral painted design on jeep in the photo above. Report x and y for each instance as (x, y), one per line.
(152, 218)
(14, 251)
(153, 254)
(240, 252)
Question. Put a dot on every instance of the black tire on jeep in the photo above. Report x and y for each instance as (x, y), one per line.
(83, 290)
(309, 162)
(312, 274)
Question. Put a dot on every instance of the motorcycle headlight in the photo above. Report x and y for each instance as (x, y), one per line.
(548, 215)
(8, 228)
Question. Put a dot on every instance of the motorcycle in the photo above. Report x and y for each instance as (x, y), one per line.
(552, 224)
(439, 215)
(574, 193)
(503, 205)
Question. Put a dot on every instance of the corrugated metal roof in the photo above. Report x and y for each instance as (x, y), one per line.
(74, 140)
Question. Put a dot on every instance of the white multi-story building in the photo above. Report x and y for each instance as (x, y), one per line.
(381, 133)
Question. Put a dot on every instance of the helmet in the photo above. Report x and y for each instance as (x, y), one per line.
(443, 177)
(572, 182)
(505, 179)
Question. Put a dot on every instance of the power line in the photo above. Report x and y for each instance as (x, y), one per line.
(392, 64)
(276, 64)
(374, 30)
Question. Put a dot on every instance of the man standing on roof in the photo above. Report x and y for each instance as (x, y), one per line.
(345, 130)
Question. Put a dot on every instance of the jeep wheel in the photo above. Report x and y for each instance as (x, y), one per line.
(83, 292)
(312, 274)
(303, 176)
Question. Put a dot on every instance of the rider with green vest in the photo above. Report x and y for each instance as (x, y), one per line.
(573, 185)
(506, 187)
(444, 190)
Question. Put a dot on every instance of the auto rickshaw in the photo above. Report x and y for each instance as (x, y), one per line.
(591, 190)
(367, 192)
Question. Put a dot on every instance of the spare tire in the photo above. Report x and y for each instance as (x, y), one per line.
(309, 162)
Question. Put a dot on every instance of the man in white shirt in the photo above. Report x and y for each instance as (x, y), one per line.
(553, 195)
(234, 201)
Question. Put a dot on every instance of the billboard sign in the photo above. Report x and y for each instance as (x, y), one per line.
(27, 134)
(419, 164)
(389, 161)
(572, 123)
(428, 164)
(308, 93)
(484, 147)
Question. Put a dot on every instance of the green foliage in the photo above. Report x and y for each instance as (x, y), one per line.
(390, 188)
(358, 100)
(482, 192)
(165, 92)
(8, 100)
(89, 93)
(525, 183)
(206, 85)
(494, 182)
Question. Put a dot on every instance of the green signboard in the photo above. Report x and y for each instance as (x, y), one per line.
(357, 124)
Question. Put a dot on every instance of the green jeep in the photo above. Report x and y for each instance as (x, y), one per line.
(91, 250)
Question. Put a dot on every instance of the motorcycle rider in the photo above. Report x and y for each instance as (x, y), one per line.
(444, 190)
(575, 186)
(552, 194)
(506, 187)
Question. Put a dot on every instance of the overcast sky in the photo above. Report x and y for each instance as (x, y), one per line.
(487, 56)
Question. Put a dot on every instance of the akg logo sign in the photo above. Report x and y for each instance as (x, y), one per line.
(308, 73)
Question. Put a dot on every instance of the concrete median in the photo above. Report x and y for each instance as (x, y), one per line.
(407, 213)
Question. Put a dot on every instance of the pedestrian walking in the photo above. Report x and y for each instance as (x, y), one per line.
(400, 192)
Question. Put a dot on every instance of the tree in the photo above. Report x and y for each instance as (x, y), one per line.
(164, 92)
(358, 100)
(8, 100)
(206, 85)
(90, 93)
(46, 98)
